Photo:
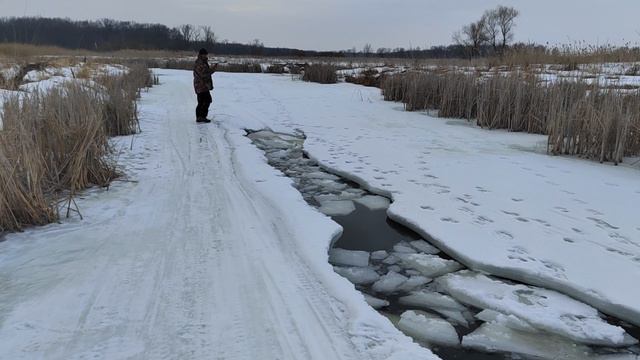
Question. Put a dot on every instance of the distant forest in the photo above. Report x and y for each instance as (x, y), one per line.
(111, 35)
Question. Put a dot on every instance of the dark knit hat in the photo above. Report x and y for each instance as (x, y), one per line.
(203, 51)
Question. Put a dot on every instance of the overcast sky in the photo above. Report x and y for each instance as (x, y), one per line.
(342, 24)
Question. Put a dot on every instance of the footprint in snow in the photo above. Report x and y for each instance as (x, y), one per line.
(510, 213)
(482, 220)
(424, 207)
(602, 223)
(517, 199)
(505, 235)
(450, 220)
(569, 240)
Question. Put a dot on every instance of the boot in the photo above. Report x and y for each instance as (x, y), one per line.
(203, 120)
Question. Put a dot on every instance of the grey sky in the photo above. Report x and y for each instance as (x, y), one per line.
(336, 24)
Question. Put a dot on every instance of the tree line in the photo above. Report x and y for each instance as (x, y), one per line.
(490, 35)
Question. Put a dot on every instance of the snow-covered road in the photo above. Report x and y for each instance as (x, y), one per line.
(209, 254)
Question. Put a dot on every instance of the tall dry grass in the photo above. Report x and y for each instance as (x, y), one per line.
(54, 144)
(580, 119)
(320, 73)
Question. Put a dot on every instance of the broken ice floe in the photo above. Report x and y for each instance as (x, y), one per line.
(344, 257)
(358, 275)
(374, 202)
(337, 207)
(389, 283)
(542, 309)
(428, 328)
(495, 337)
(374, 302)
(429, 265)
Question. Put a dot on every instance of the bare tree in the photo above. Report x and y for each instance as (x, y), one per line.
(492, 28)
(472, 36)
(505, 17)
(187, 31)
(367, 49)
(208, 35)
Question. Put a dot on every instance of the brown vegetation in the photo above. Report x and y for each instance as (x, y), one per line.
(320, 73)
(55, 143)
(580, 119)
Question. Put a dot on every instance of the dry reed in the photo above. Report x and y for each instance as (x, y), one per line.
(54, 144)
(320, 73)
(580, 119)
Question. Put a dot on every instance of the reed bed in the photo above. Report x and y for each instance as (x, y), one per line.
(320, 73)
(580, 119)
(54, 144)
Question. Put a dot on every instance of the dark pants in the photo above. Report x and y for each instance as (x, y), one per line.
(204, 100)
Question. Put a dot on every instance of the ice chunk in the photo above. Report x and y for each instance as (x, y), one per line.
(389, 283)
(337, 207)
(510, 321)
(616, 357)
(463, 318)
(329, 185)
(391, 260)
(430, 265)
(543, 309)
(395, 268)
(358, 275)
(320, 175)
(374, 302)
(374, 202)
(379, 255)
(428, 328)
(403, 249)
(425, 247)
(439, 303)
(415, 282)
(496, 337)
(342, 257)
(425, 299)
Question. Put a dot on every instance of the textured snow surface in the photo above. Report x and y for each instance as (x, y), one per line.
(491, 199)
(542, 309)
(210, 252)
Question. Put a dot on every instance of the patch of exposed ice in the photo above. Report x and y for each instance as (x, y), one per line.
(428, 328)
(391, 260)
(389, 283)
(342, 257)
(425, 247)
(430, 265)
(374, 202)
(337, 207)
(426, 299)
(375, 303)
(415, 282)
(379, 255)
(510, 321)
(543, 309)
(403, 249)
(494, 337)
(358, 275)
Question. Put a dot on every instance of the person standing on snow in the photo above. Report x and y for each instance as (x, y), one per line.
(203, 84)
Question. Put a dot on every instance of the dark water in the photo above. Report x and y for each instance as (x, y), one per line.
(371, 230)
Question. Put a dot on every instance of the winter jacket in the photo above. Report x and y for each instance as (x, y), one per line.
(202, 80)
